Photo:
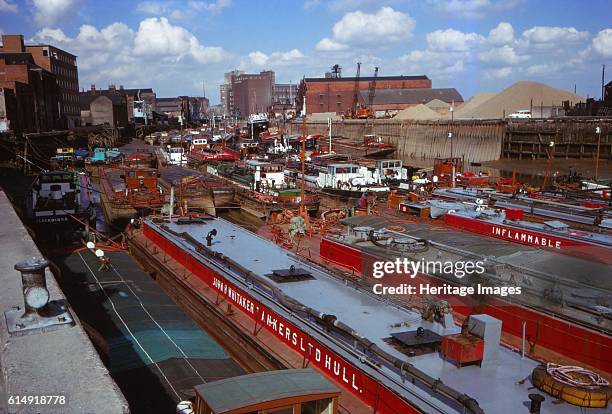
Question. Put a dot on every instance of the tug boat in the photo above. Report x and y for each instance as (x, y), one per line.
(58, 201)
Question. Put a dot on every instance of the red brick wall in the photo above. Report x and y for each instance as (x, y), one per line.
(337, 96)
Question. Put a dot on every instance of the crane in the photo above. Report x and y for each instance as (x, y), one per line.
(372, 91)
(368, 112)
(356, 92)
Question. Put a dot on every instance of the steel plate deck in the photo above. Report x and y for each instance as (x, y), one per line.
(494, 385)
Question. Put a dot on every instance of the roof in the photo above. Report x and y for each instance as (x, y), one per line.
(368, 78)
(413, 95)
(85, 100)
(177, 99)
(51, 46)
(234, 393)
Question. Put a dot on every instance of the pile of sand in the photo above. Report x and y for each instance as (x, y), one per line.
(472, 103)
(520, 96)
(418, 112)
(323, 116)
(439, 106)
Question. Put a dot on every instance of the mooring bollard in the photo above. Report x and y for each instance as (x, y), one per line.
(35, 293)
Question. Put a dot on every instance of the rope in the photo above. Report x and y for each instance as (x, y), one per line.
(576, 376)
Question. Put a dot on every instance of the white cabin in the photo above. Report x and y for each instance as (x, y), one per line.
(348, 176)
(266, 175)
(176, 156)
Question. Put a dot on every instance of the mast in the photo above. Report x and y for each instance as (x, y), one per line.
(303, 157)
(329, 126)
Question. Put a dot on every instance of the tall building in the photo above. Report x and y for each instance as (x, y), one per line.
(64, 66)
(225, 91)
(252, 94)
(34, 97)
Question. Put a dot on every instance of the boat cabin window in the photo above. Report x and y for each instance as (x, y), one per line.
(390, 164)
(55, 178)
(346, 170)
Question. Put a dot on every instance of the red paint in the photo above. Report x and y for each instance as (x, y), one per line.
(557, 243)
(366, 388)
(461, 349)
(568, 339)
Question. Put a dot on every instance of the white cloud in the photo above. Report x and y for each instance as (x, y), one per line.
(49, 12)
(7, 6)
(602, 43)
(111, 55)
(498, 73)
(152, 7)
(215, 7)
(452, 40)
(505, 55)
(439, 65)
(552, 36)
(275, 59)
(258, 58)
(328, 45)
(158, 37)
(386, 25)
(472, 9)
(177, 10)
(502, 34)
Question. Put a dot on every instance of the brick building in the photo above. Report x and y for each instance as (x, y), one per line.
(107, 109)
(63, 65)
(252, 93)
(335, 94)
(145, 95)
(34, 97)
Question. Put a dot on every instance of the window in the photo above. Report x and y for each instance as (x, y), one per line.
(45, 52)
(324, 406)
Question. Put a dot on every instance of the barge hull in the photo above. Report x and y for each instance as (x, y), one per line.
(352, 379)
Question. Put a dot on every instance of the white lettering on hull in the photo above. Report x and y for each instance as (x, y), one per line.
(523, 237)
(336, 368)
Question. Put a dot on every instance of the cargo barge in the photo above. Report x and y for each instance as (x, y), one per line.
(362, 342)
(564, 307)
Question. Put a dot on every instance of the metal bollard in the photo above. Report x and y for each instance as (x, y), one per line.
(536, 403)
(35, 293)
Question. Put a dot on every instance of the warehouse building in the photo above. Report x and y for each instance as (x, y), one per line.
(335, 94)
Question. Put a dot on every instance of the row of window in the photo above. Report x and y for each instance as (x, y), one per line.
(59, 56)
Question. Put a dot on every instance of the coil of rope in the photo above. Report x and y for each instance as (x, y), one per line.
(576, 376)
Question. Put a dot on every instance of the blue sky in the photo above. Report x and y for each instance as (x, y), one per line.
(176, 45)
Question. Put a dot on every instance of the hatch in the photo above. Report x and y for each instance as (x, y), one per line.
(293, 274)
